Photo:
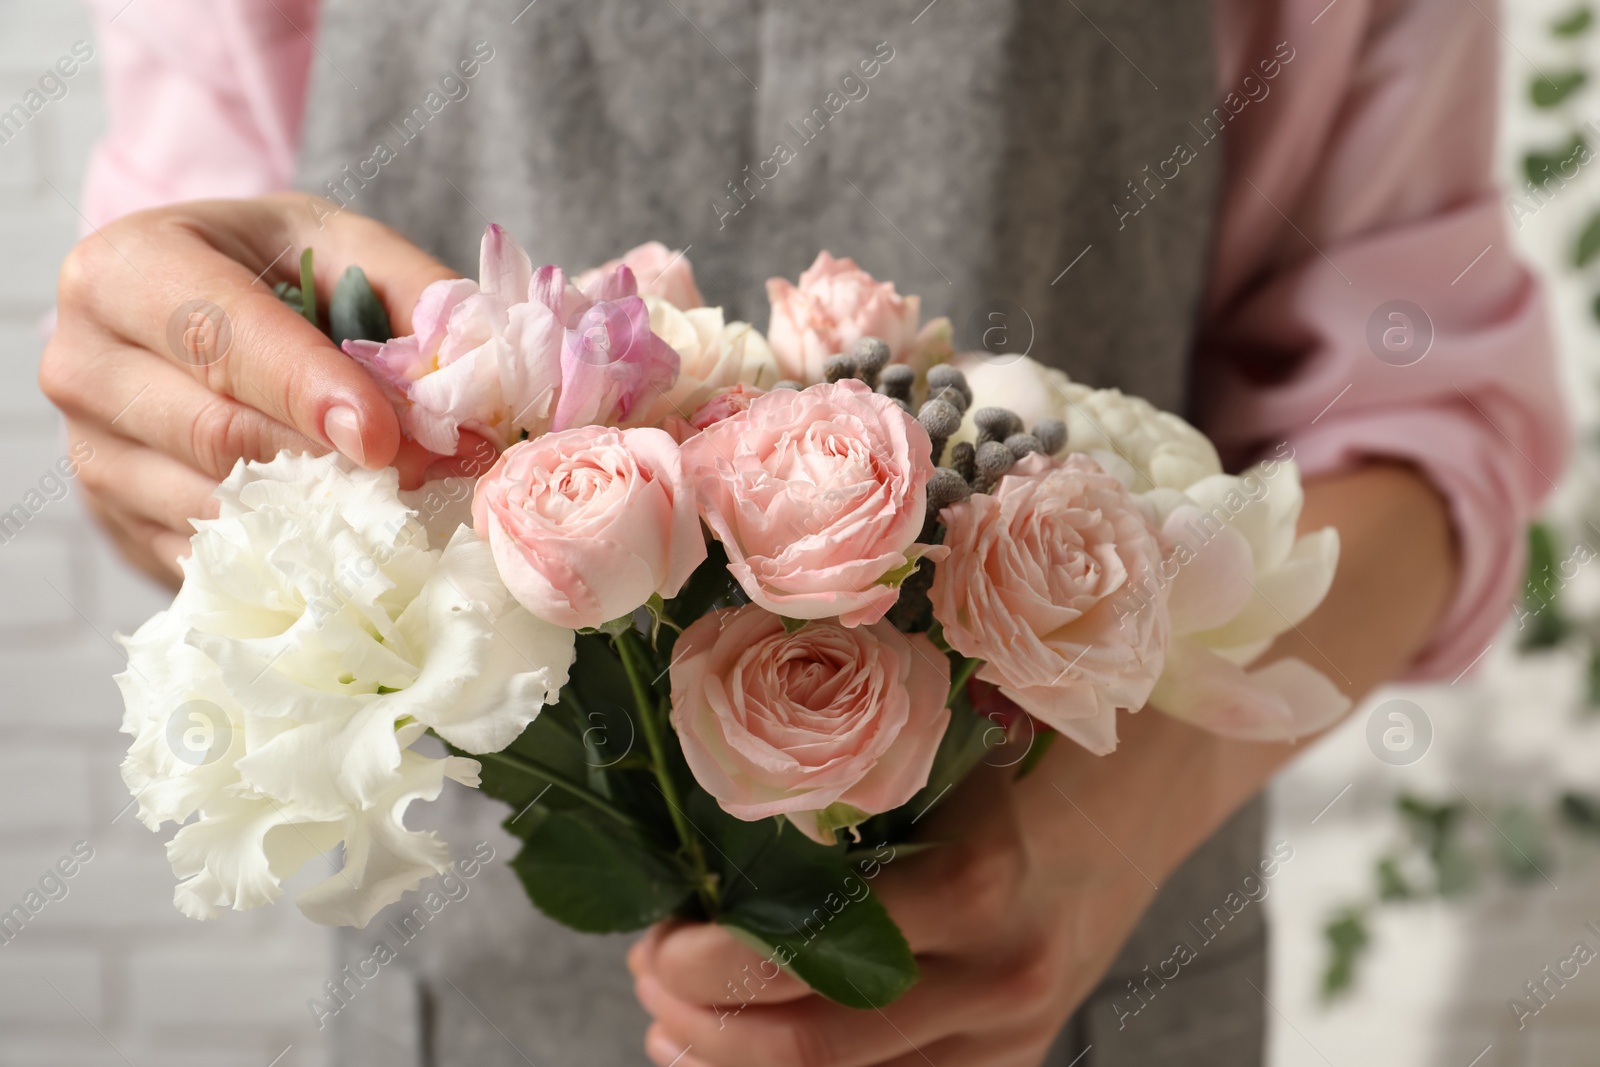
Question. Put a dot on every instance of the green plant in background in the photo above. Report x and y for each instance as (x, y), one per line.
(1442, 854)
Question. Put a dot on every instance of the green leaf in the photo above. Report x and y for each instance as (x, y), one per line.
(593, 878)
(819, 920)
(709, 585)
(1521, 845)
(1347, 940)
(1574, 24)
(1544, 625)
(354, 311)
(1557, 165)
(1549, 92)
(1594, 308)
(1592, 695)
(1588, 245)
(1392, 884)
(806, 907)
(308, 289)
(1581, 812)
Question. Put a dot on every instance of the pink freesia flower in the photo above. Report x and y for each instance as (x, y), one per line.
(825, 725)
(610, 360)
(835, 304)
(586, 524)
(519, 352)
(819, 496)
(1044, 584)
(660, 272)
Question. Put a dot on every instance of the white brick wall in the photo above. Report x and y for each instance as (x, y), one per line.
(159, 988)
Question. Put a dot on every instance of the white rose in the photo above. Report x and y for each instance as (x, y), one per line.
(317, 636)
(1127, 435)
(1240, 577)
(712, 355)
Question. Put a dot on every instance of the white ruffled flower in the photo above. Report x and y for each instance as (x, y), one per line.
(713, 354)
(1147, 448)
(317, 636)
(1239, 578)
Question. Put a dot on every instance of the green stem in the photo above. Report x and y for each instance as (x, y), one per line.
(524, 766)
(633, 661)
(963, 674)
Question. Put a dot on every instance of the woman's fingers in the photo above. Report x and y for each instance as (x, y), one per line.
(154, 550)
(139, 396)
(704, 964)
(193, 286)
(142, 483)
(812, 1031)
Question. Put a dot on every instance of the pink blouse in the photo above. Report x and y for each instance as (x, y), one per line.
(1358, 188)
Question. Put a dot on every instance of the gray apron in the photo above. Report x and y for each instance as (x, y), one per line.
(986, 154)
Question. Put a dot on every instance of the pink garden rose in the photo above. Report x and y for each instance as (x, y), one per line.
(819, 496)
(660, 272)
(825, 725)
(586, 524)
(835, 304)
(519, 351)
(1053, 581)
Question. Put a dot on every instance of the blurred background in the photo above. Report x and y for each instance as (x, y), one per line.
(1446, 841)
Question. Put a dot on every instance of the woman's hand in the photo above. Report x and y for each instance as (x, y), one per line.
(172, 358)
(1017, 917)
(1013, 922)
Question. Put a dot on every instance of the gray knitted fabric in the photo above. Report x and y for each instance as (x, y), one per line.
(985, 154)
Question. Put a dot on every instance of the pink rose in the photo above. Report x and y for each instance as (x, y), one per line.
(1039, 584)
(835, 304)
(725, 404)
(825, 725)
(586, 524)
(819, 496)
(518, 352)
(660, 272)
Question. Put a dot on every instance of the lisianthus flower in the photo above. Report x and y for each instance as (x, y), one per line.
(318, 634)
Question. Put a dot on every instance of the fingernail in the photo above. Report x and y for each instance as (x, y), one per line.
(342, 426)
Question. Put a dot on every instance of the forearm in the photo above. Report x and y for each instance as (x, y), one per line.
(1169, 786)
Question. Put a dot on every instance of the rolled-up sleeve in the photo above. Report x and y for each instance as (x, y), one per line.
(1367, 301)
(204, 99)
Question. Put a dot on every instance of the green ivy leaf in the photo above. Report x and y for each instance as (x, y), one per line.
(1392, 884)
(1541, 168)
(1548, 92)
(1347, 940)
(1581, 812)
(1521, 845)
(1588, 245)
(596, 878)
(1545, 624)
(1574, 24)
(354, 311)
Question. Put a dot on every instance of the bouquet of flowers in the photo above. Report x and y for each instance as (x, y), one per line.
(719, 618)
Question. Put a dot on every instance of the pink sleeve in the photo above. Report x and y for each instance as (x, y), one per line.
(204, 99)
(1361, 229)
